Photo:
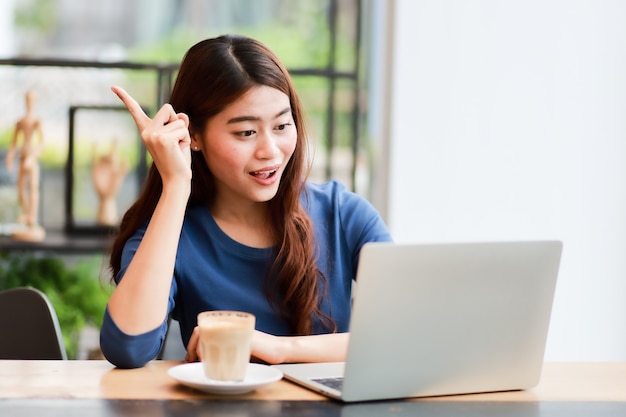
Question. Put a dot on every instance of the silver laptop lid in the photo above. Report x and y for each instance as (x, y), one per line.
(437, 319)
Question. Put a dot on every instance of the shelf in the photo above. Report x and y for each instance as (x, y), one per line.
(59, 242)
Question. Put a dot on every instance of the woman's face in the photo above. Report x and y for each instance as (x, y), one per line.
(248, 145)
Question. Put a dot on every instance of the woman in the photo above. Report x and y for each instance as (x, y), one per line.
(227, 221)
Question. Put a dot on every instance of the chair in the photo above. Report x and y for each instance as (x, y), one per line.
(173, 348)
(29, 327)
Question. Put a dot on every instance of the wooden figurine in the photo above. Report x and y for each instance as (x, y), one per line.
(28, 132)
(107, 173)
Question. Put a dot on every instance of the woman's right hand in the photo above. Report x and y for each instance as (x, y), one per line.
(166, 137)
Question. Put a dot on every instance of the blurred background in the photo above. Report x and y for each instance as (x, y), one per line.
(70, 52)
(461, 120)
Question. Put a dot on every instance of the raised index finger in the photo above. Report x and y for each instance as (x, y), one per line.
(140, 117)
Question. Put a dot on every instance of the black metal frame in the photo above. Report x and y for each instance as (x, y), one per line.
(165, 74)
(332, 74)
(72, 227)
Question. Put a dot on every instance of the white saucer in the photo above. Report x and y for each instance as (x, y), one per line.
(192, 375)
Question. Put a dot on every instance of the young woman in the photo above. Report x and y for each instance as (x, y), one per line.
(227, 221)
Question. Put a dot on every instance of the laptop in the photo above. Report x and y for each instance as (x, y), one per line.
(442, 319)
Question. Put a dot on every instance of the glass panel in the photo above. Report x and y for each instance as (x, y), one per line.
(319, 42)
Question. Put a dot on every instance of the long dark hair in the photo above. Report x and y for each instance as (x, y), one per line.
(214, 73)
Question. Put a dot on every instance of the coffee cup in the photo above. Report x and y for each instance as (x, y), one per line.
(225, 338)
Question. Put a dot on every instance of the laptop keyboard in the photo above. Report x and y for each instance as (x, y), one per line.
(334, 383)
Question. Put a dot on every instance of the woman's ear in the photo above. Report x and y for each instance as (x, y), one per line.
(196, 143)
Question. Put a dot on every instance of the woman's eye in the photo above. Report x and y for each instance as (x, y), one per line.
(283, 126)
(246, 133)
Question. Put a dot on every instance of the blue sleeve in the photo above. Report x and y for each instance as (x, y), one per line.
(129, 351)
(345, 221)
(132, 351)
(360, 222)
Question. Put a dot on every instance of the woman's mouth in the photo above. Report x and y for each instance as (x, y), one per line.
(265, 174)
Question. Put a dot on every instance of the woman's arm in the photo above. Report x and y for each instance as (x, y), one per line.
(287, 349)
(140, 301)
(330, 347)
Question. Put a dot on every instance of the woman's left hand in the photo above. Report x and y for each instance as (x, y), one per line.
(264, 347)
(193, 347)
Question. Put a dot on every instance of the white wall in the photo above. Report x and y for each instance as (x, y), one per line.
(508, 121)
(7, 31)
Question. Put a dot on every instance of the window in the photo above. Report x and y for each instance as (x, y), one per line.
(320, 42)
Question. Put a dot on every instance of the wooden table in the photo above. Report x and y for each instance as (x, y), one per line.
(96, 388)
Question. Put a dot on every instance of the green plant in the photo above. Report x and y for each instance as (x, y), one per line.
(78, 296)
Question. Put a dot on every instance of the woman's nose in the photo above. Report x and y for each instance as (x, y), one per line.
(267, 146)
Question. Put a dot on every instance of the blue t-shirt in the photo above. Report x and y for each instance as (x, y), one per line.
(214, 272)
